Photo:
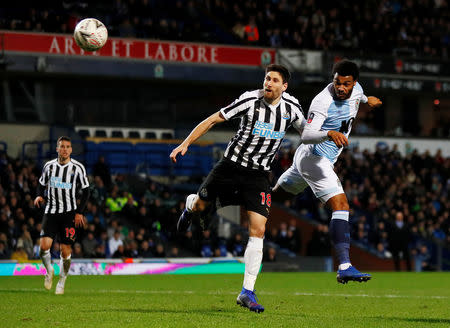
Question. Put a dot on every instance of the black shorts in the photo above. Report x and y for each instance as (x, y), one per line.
(61, 225)
(232, 184)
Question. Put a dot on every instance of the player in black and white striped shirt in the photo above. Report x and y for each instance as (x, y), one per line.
(241, 177)
(61, 179)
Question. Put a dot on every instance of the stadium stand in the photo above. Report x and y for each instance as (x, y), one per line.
(141, 215)
(418, 28)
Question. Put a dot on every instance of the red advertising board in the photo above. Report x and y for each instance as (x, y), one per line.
(182, 52)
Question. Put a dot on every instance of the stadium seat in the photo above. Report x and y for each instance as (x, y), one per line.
(117, 134)
(100, 133)
(91, 156)
(84, 133)
(134, 134)
(167, 135)
(154, 157)
(119, 155)
(150, 135)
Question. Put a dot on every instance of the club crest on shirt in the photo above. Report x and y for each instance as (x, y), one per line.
(310, 118)
(204, 192)
(286, 116)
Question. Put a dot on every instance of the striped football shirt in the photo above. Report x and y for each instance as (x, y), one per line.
(62, 182)
(262, 128)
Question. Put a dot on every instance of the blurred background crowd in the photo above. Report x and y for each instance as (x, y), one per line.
(400, 206)
(413, 27)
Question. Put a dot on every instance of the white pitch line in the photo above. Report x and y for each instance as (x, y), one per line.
(130, 291)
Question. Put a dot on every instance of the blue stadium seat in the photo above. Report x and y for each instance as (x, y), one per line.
(100, 133)
(83, 133)
(154, 157)
(134, 134)
(117, 134)
(197, 162)
(150, 135)
(167, 135)
(119, 155)
(91, 154)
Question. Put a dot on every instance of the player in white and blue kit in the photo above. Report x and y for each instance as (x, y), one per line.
(329, 123)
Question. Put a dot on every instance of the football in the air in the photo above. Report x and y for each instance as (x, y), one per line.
(90, 34)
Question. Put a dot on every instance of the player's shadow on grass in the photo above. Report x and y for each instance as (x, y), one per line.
(424, 320)
(214, 311)
(153, 310)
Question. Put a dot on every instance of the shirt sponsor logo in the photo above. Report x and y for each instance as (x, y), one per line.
(56, 182)
(265, 130)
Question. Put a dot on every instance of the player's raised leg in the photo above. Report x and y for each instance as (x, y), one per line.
(340, 235)
(66, 253)
(252, 259)
(185, 220)
(194, 208)
(44, 253)
(289, 184)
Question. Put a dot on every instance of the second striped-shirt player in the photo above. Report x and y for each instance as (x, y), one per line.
(61, 179)
(241, 177)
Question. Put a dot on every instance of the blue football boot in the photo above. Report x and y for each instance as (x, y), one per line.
(185, 221)
(248, 299)
(352, 274)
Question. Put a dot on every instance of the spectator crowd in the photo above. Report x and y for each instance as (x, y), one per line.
(399, 206)
(398, 203)
(416, 27)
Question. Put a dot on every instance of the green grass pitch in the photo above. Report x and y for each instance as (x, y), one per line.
(290, 299)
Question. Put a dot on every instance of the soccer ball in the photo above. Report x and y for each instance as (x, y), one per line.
(90, 34)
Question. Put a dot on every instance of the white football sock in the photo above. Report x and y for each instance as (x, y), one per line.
(252, 259)
(190, 200)
(344, 266)
(64, 266)
(46, 259)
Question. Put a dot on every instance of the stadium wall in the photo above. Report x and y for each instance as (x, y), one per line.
(16, 134)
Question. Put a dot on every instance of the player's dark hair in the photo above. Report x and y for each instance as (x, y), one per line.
(63, 138)
(280, 69)
(346, 67)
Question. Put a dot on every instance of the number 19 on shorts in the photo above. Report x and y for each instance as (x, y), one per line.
(70, 233)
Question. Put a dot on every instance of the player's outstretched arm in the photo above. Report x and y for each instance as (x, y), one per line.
(338, 138)
(198, 131)
(374, 102)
